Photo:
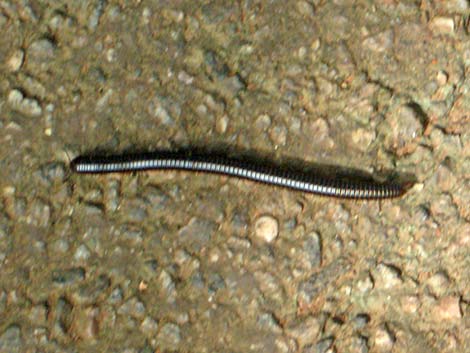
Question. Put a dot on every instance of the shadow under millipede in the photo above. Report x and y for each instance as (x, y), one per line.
(327, 180)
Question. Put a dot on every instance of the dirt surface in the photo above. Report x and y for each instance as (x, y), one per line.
(181, 262)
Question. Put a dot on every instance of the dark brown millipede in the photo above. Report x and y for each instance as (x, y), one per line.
(204, 162)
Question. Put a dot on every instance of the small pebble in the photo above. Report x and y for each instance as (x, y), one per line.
(361, 320)
(160, 113)
(10, 340)
(167, 285)
(443, 208)
(60, 246)
(312, 250)
(60, 317)
(35, 88)
(320, 129)
(386, 276)
(323, 346)
(27, 106)
(269, 285)
(442, 77)
(90, 291)
(401, 127)
(149, 326)
(447, 309)
(197, 233)
(266, 228)
(305, 8)
(215, 282)
(104, 100)
(410, 304)
(384, 340)
(156, 199)
(305, 332)
(214, 104)
(169, 337)
(453, 6)
(182, 318)
(438, 283)
(365, 284)
(362, 138)
(263, 122)
(38, 314)
(359, 344)
(232, 85)
(82, 253)
(93, 196)
(278, 135)
(380, 42)
(133, 211)
(93, 210)
(442, 25)
(445, 179)
(68, 277)
(202, 111)
(340, 218)
(116, 296)
(42, 49)
(185, 78)
(131, 233)
(3, 301)
(239, 223)
(52, 173)
(111, 196)
(309, 289)
(15, 206)
(197, 282)
(238, 244)
(267, 321)
(85, 323)
(96, 14)
(133, 307)
(15, 61)
(39, 213)
(151, 267)
(111, 55)
(457, 120)
(210, 208)
(221, 124)
(215, 64)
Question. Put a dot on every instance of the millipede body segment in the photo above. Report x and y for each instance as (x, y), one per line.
(273, 175)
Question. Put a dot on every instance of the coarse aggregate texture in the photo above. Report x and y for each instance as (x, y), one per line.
(181, 262)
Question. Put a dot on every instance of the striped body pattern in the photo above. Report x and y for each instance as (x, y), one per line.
(305, 182)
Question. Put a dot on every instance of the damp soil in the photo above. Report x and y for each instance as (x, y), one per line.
(189, 262)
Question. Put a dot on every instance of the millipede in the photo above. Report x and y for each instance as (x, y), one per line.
(308, 182)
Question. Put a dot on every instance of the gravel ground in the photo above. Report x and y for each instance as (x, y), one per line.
(177, 262)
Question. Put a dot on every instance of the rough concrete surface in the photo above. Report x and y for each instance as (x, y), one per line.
(181, 262)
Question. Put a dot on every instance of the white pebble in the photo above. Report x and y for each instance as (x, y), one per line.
(221, 124)
(386, 277)
(15, 97)
(267, 228)
(438, 284)
(186, 78)
(82, 253)
(383, 340)
(24, 105)
(447, 309)
(15, 61)
(453, 6)
(380, 42)
(442, 25)
(149, 326)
